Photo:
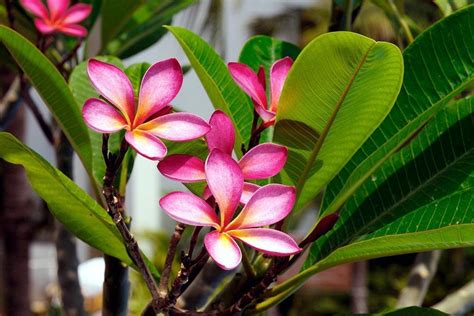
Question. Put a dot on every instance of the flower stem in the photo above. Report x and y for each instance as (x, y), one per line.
(247, 264)
(165, 275)
(115, 210)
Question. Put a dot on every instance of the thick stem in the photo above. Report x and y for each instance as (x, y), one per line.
(116, 288)
(72, 299)
(115, 210)
(17, 227)
(165, 275)
(421, 274)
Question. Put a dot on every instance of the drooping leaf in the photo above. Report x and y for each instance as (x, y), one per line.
(73, 207)
(145, 27)
(220, 87)
(338, 91)
(53, 89)
(422, 196)
(82, 90)
(431, 80)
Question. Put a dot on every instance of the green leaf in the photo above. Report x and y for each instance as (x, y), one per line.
(422, 196)
(82, 90)
(414, 311)
(53, 89)
(265, 50)
(145, 27)
(439, 65)
(135, 73)
(424, 203)
(338, 91)
(219, 85)
(73, 207)
(115, 15)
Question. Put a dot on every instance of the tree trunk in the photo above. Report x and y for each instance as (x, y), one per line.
(18, 226)
(66, 250)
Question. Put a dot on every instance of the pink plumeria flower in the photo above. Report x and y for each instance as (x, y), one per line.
(268, 205)
(58, 16)
(151, 119)
(254, 85)
(261, 162)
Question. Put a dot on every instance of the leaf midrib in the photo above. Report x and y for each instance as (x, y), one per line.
(416, 190)
(327, 127)
(345, 194)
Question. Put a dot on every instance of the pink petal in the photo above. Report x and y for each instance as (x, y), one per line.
(207, 193)
(102, 117)
(75, 30)
(225, 181)
(57, 8)
(43, 27)
(278, 75)
(269, 241)
(114, 85)
(77, 13)
(36, 7)
(146, 144)
(268, 205)
(261, 77)
(266, 115)
(222, 133)
(223, 250)
(248, 81)
(177, 127)
(249, 190)
(263, 161)
(182, 168)
(160, 85)
(189, 209)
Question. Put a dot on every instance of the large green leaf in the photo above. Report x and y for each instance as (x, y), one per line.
(439, 65)
(338, 91)
(219, 85)
(82, 90)
(422, 205)
(145, 27)
(427, 186)
(53, 89)
(73, 207)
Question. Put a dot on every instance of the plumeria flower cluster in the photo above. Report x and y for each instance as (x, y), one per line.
(57, 16)
(261, 162)
(254, 84)
(268, 205)
(149, 120)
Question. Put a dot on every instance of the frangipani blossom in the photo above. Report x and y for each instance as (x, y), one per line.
(261, 162)
(151, 119)
(268, 205)
(255, 86)
(58, 16)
